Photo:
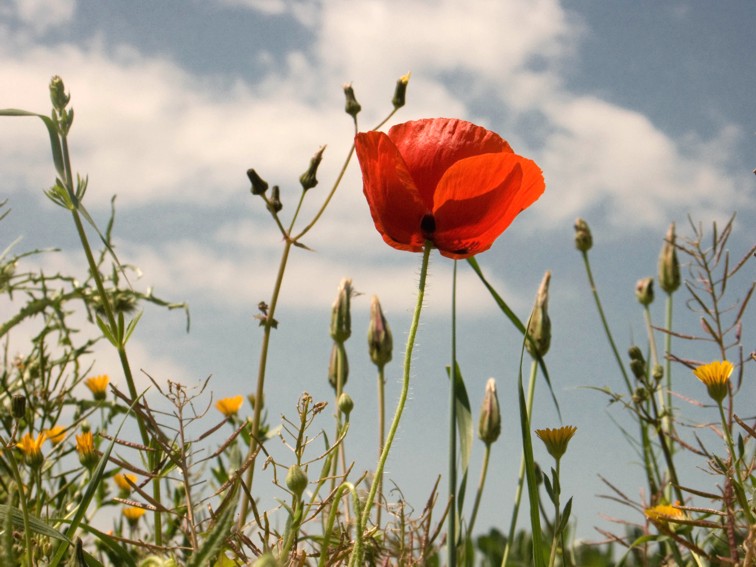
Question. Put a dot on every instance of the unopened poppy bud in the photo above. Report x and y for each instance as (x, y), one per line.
(644, 291)
(346, 403)
(489, 426)
(400, 92)
(539, 326)
(296, 480)
(380, 340)
(583, 237)
(669, 267)
(274, 203)
(58, 94)
(338, 366)
(18, 406)
(309, 178)
(259, 185)
(341, 318)
(352, 107)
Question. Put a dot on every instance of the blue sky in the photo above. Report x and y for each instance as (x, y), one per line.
(639, 116)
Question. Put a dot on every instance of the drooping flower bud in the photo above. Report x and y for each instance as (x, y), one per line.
(338, 367)
(274, 204)
(259, 185)
(400, 92)
(539, 326)
(58, 94)
(309, 178)
(644, 291)
(346, 403)
(352, 107)
(583, 237)
(669, 266)
(341, 318)
(380, 340)
(489, 426)
(296, 480)
(18, 406)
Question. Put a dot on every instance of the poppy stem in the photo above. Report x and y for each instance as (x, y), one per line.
(355, 560)
(452, 519)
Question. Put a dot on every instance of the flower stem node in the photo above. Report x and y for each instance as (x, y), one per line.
(644, 291)
(539, 326)
(259, 185)
(400, 92)
(296, 480)
(352, 107)
(380, 340)
(669, 266)
(489, 426)
(583, 236)
(309, 178)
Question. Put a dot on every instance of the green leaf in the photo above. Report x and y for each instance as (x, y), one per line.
(214, 539)
(132, 325)
(52, 130)
(106, 331)
(565, 516)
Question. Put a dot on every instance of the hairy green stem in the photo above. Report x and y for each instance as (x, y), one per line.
(479, 493)
(381, 437)
(521, 474)
(452, 518)
(356, 558)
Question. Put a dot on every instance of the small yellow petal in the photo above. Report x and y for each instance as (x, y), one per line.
(230, 406)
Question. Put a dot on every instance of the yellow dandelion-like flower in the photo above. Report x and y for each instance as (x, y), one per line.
(230, 406)
(663, 513)
(132, 514)
(715, 376)
(98, 385)
(122, 483)
(56, 434)
(86, 449)
(556, 440)
(32, 448)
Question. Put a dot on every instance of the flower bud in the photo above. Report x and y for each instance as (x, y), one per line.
(274, 204)
(669, 267)
(637, 362)
(352, 107)
(259, 185)
(400, 92)
(309, 178)
(296, 480)
(341, 319)
(380, 340)
(346, 403)
(338, 367)
(583, 237)
(644, 291)
(58, 94)
(489, 426)
(18, 406)
(539, 326)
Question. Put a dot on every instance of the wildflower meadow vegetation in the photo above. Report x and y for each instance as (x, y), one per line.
(176, 473)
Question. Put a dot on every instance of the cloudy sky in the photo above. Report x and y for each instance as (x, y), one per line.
(638, 117)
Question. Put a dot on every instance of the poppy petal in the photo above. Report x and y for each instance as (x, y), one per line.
(479, 197)
(394, 201)
(431, 146)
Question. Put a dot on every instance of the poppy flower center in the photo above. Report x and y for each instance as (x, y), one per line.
(428, 225)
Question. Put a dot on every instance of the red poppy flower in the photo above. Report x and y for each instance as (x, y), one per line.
(444, 180)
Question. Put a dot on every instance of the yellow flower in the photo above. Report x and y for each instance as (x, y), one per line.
(122, 483)
(98, 385)
(56, 434)
(32, 449)
(132, 514)
(229, 406)
(664, 513)
(86, 449)
(556, 440)
(715, 376)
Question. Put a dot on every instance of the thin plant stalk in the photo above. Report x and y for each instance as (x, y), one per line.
(557, 517)
(479, 493)
(356, 558)
(381, 436)
(521, 474)
(24, 508)
(452, 519)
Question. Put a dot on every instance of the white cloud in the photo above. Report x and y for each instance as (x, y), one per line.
(42, 15)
